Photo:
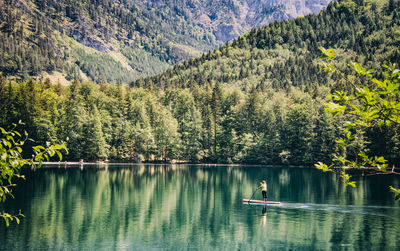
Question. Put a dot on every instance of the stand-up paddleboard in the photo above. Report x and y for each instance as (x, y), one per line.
(261, 202)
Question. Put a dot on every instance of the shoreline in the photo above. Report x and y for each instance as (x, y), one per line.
(395, 170)
(101, 163)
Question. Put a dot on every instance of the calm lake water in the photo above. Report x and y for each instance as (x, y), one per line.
(180, 207)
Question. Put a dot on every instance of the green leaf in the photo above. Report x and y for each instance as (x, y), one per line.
(59, 155)
(323, 167)
(352, 184)
(327, 53)
(341, 159)
(396, 191)
(336, 109)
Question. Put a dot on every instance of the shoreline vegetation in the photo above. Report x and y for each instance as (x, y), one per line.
(393, 170)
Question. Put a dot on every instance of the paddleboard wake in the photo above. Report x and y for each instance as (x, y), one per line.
(261, 202)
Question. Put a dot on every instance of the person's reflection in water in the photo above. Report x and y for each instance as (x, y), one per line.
(81, 164)
(264, 216)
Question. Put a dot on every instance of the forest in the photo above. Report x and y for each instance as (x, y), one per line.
(94, 39)
(207, 123)
(124, 39)
(284, 53)
(257, 100)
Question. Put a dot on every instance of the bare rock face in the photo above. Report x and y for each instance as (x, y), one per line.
(229, 19)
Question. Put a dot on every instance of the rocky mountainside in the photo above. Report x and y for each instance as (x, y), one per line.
(229, 19)
(124, 39)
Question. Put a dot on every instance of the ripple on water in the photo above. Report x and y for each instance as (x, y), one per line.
(346, 209)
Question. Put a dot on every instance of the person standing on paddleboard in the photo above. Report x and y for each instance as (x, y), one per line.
(263, 186)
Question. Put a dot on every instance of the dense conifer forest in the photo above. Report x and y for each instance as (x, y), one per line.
(97, 40)
(284, 53)
(257, 100)
(103, 40)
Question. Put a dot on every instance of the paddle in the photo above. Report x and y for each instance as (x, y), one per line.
(252, 196)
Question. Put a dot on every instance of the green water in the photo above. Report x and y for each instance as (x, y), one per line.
(179, 207)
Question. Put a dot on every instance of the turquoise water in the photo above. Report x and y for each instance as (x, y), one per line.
(180, 207)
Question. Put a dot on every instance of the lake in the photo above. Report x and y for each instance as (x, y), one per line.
(180, 207)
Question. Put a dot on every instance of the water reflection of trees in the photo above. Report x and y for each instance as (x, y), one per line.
(178, 206)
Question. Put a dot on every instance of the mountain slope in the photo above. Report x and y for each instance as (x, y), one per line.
(284, 54)
(229, 19)
(110, 40)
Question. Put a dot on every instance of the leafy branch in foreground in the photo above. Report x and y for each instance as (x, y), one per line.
(374, 103)
(11, 161)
